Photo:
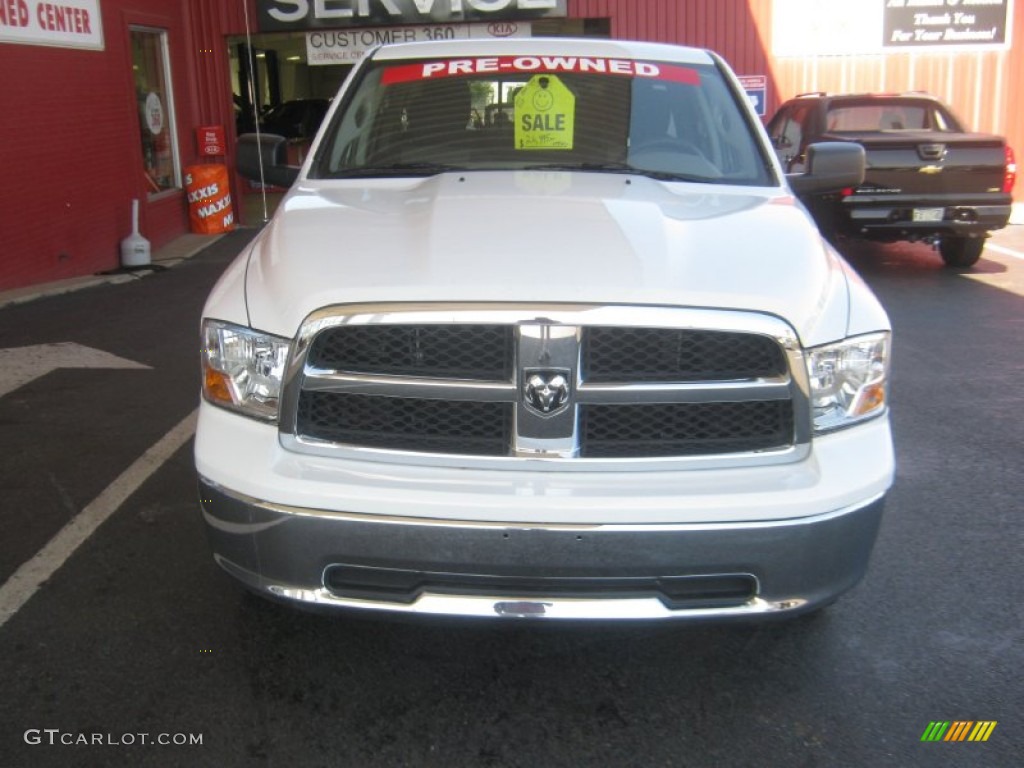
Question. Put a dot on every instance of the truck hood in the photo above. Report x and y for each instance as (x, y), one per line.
(559, 237)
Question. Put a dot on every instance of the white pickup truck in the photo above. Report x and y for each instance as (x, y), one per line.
(592, 361)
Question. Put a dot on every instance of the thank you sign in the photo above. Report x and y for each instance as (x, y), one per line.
(945, 23)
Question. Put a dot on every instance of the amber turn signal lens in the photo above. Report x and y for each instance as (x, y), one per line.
(216, 386)
(871, 399)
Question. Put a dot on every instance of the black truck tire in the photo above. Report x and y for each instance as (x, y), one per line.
(961, 252)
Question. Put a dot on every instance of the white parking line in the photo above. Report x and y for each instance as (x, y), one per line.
(24, 583)
(1004, 250)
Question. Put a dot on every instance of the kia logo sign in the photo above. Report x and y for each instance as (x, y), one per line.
(502, 29)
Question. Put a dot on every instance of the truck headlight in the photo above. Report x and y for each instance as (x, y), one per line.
(849, 381)
(243, 369)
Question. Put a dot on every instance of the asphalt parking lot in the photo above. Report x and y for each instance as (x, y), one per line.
(136, 650)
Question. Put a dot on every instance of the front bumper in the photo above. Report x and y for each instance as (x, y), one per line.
(560, 571)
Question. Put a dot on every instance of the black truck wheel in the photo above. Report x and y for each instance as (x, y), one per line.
(961, 252)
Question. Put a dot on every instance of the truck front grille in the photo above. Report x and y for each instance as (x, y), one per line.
(545, 382)
(482, 352)
(406, 423)
(684, 429)
(670, 354)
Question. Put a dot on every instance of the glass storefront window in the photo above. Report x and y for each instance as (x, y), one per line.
(152, 72)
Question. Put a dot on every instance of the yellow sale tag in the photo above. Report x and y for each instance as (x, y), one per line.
(545, 114)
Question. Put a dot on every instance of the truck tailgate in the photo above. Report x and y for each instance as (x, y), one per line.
(930, 163)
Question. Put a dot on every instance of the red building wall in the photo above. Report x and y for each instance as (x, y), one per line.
(69, 138)
(728, 27)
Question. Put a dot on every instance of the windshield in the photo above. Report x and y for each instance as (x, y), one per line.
(669, 121)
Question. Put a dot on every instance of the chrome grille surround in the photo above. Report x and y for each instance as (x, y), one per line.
(551, 337)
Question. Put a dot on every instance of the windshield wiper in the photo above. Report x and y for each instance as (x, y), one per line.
(620, 168)
(610, 167)
(394, 169)
(432, 169)
(673, 176)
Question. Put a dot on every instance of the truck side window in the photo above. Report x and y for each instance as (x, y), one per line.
(787, 137)
(775, 127)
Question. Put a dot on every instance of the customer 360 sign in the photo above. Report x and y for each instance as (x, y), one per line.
(279, 15)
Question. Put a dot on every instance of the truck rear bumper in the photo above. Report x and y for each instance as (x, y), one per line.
(332, 559)
(895, 221)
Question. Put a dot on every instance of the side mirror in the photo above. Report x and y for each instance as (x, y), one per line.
(269, 152)
(830, 166)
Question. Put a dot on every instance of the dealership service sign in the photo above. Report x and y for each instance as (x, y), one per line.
(289, 15)
(67, 24)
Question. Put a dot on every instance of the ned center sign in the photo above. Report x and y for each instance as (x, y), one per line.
(287, 15)
(67, 24)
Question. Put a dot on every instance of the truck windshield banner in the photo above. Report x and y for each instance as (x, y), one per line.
(497, 65)
(290, 15)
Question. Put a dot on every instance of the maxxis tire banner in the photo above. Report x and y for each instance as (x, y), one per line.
(209, 199)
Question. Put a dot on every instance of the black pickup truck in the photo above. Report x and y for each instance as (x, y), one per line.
(927, 178)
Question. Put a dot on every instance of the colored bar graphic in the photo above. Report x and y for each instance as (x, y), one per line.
(982, 730)
(959, 730)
